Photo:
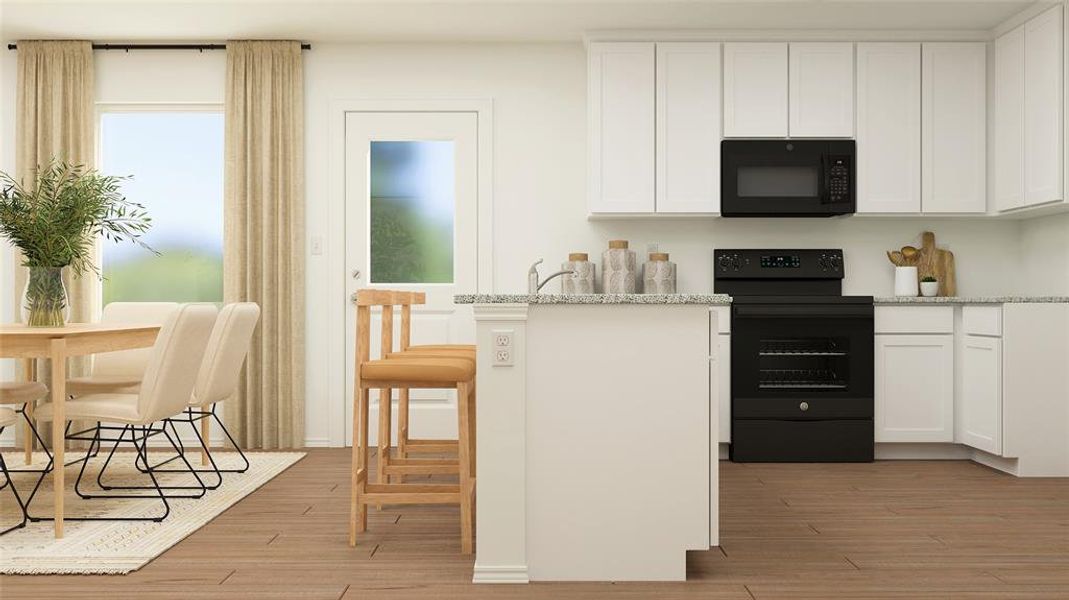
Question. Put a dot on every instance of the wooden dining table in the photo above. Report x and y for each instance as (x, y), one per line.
(58, 344)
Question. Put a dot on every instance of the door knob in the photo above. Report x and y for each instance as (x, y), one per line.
(804, 406)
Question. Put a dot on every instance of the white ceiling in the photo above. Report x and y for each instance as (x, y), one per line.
(471, 20)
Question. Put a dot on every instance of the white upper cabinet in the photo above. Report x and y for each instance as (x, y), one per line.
(755, 89)
(889, 127)
(688, 127)
(822, 90)
(1043, 108)
(1028, 149)
(954, 128)
(1009, 120)
(620, 121)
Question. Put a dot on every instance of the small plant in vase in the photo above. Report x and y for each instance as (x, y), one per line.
(929, 286)
(55, 224)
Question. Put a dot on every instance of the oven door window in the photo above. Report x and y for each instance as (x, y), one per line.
(787, 181)
(803, 363)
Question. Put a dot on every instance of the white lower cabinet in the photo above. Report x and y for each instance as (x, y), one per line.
(724, 386)
(914, 395)
(980, 417)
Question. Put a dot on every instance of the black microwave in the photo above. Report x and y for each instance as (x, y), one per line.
(787, 178)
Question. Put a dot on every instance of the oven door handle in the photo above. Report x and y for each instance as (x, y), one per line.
(850, 311)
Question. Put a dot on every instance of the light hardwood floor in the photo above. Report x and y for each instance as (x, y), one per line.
(882, 530)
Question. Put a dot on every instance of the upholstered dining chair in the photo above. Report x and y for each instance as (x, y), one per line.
(217, 380)
(25, 395)
(121, 372)
(164, 392)
(8, 418)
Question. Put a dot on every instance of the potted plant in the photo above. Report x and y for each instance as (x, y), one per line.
(56, 222)
(929, 286)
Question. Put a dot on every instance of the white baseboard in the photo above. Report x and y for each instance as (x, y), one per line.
(500, 574)
(910, 451)
(999, 463)
(317, 443)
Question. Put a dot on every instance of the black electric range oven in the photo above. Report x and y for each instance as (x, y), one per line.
(801, 357)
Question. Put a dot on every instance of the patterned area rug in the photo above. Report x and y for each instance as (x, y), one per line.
(118, 547)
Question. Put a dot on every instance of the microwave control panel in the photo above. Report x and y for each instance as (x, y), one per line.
(839, 187)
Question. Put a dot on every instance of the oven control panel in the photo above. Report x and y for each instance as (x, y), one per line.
(775, 264)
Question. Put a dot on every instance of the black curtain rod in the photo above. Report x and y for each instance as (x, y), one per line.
(129, 47)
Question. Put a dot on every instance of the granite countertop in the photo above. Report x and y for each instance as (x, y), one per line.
(970, 299)
(709, 299)
(724, 299)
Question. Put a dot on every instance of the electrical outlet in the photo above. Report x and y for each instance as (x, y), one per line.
(502, 339)
(502, 347)
(502, 358)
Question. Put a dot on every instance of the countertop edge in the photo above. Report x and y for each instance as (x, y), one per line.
(725, 300)
(594, 299)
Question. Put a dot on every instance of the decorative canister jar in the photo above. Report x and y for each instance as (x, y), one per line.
(659, 274)
(906, 282)
(581, 278)
(619, 269)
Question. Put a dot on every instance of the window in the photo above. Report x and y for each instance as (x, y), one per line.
(413, 195)
(175, 158)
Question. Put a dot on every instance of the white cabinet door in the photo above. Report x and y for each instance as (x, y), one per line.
(822, 89)
(620, 114)
(954, 128)
(1009, 120)
(688, 127)
(724, 387)
(914, 388)
(980, 421)
(1043, 108)
(889, 127)
(755, 89)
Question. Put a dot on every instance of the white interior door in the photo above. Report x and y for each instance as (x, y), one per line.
(411, 214)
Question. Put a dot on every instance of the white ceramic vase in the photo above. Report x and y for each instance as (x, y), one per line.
(906, 282)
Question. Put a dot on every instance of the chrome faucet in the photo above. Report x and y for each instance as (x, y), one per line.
(533, 285)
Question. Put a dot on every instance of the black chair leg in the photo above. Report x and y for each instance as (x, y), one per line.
(151, 470)
(8, 482)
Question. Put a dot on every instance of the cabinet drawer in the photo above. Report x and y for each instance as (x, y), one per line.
(914, 319)
(723, 320)
(982, 320)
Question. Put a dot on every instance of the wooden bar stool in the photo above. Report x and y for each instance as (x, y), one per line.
(405, 444)
(411, 372)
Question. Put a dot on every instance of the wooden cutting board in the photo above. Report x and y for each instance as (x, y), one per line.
(938, 263)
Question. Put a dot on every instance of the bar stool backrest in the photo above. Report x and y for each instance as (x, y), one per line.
(176, 357)
(130, 363)
(386, 299)
(227, 348)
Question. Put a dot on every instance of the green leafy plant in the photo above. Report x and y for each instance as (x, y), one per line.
(55, 223)
(928, 279)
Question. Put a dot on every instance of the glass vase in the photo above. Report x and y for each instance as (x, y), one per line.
(44, 301)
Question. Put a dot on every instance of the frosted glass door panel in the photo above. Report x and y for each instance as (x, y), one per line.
(412, 199)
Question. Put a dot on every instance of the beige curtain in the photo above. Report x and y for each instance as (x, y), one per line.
(263, 253)
(55, 119)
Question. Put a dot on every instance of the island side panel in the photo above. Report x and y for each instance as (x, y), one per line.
(618, 441)
(500, 475)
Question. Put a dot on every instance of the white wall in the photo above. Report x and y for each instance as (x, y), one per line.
(1045, 256)
(538, 91)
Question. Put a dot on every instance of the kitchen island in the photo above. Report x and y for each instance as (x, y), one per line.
(595, 435)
